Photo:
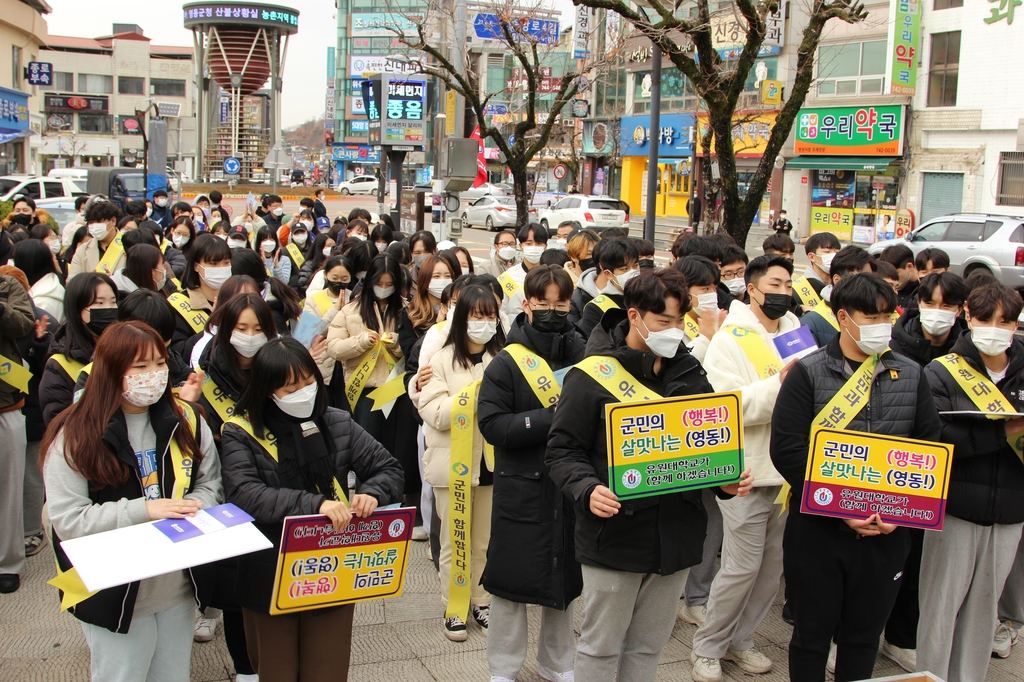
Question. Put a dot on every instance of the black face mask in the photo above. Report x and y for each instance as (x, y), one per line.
(586, 263)
(549, 320)
(337, 287)
(646, 263)
(776, 305)
(22, 219)
(100, 319)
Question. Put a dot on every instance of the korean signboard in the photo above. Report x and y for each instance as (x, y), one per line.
(854, 475)
(519, 82)
(904, 42)
(372, 102)
(749, 135)
(404, 122)
(832, 199)
(674, 138)
(851, 131)
(356, 106)
(13, 111)
(81, 103)
(265, 15)
(359, 153)
(360, 65)
(375, 24)
(129, 125)
(665, 446)
(543, 31)
(598, 139)
(775, 29)
(320, 566)
(581, 32)
(40, 73)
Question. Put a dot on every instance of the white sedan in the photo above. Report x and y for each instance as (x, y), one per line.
(360, 184)
(482, 190)
(586, 212)
(493, 213)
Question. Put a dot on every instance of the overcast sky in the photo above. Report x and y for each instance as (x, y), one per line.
(305, 71)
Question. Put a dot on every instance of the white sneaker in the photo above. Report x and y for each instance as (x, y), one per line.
(705, 669)
(499, 678)
(694, 615)
(205, 627)
(830, 664)
(247, 678)
(419, 535)
(1005, 638)
(904, 658)
(552, 676)
(750, 660)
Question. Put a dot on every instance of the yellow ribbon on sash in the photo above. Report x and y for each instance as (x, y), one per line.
(296, 254)
(195, 318)
(805, 292)
(690, 327)
(392, 390)
(985, 395)
(219, 400)
(322, 301)
(508, 284)
(72, 367)
(354, 386)
(537, 373)
(765, 361)
(110, 256)
(605, 303)
(14, 374)
(460, 501)
(614, 378)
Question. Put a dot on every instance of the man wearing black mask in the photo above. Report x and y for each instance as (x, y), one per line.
(24, 212)
(531, 558)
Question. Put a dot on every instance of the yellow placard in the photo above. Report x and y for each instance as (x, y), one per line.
(450, 99)
(852, 474)
(673, 444)
(319, 566)
(838, 221)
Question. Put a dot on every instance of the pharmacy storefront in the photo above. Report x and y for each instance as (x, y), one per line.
(852, 156)
(674, 141)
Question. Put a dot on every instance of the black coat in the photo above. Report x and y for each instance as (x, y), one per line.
(661, 534)
(56, 388)
(908, 338)
(987, 479)
(592, 315)
(34, 351)
(531, 557)
(580, 298)
(251, 482)
(906, 297)
(215, 365)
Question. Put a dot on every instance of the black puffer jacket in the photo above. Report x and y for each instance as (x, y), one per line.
(592, 315)
(531, 557)
(908, 338)
(987, 479)
(34, 351)
(56, 388)
(662, 534)
(212, 362)
(251, 482)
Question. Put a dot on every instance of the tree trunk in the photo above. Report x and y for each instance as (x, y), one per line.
(522, 195)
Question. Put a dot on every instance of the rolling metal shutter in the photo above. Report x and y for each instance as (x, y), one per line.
(943, 195)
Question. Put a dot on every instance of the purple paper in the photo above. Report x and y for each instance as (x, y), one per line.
(177, 529)
(229, 515)
(797, 343)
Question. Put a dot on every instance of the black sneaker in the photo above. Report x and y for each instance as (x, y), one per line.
(455, 629)
(787, 613)
(9, 582)
(482, 615)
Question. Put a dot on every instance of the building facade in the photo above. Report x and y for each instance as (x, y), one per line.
(23, 34)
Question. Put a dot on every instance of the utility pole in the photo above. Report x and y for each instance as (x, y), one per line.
(459, 62)
(653, 143)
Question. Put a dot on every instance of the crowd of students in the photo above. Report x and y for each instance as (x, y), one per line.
(165, 336)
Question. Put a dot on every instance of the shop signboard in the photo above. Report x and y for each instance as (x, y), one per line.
(674, 138)
(597, 138)
(360, 153)
(404, 122)
(80, 103)
(543, 31)
(198, 14)
(750, 135)
(902, 47)
(360, 65)
(13, 111)
(375, 24)
(832, 202)
(874, 130)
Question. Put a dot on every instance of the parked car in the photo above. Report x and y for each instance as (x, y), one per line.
(360, 184)
(591, 212)
(78, 175)
(974, 242)
(36, 188)
(120, 185)
(493, 213)
(62, 209)
(482, 190)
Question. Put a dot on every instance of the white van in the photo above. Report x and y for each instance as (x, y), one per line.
(80, 176)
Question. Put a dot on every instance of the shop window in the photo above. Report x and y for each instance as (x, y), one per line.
(167, 87)
(851, 68)
(128, 85)
(944, 68)
(95, 84)
(1011, 179)
(63, 81)
(95, 123)
(948, 4)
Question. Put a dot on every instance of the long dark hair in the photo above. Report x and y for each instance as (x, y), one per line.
(33, 257)
(80, 294)
(381, 265)
(208, 248)
(361, 255)
(85, 422)
(225, 317)
(473, 299)
(140, 263)
(317, 257)
(187, 222)
(266, 232)
(277, 364)
(248, 262)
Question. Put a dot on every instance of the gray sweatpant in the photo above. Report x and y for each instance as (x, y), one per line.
(627, 621)
(12, 485)
(963, 569)
(698, 585)
(508, 636)
(1011, 604)
(745, 587)
(34, 495)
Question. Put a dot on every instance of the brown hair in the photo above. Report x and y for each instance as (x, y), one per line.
(984, 302)
(421, 310)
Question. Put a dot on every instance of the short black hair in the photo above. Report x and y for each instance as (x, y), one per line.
(279, 362)
(615, 233)
(645, 247)
(102, 211)
(135, 208)
(25, 199)
(953, 287)
(734, 254)
(886, 270)
(898, 255)
(540, 233)
(609, 254)
(984, 302)
(979, 278)
(822, 240)
(778, 242)
(216, 196)
(81, 201)
(271, 199)
(698, 246)
(497, 236)
(938, 258)
(134, 238)
(539, 278)
(760, 265)
(181, 207)
(206, 249)
(487, 281)
(151, 307)
(723, 239)
(698, 270)
(850, 259)
(863, 292)
(554, 257)
(648, 290)
(428, 239)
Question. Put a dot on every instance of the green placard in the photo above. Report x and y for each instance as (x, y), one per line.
(904, 41)
(870, 130)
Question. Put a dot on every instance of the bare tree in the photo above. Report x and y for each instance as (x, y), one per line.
(688, 43)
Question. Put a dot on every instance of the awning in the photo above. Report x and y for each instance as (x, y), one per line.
(7, 136)
(855, 163)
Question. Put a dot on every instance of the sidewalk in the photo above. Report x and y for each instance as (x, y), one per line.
(396, 640)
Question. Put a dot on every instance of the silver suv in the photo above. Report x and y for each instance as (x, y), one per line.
(974, 241)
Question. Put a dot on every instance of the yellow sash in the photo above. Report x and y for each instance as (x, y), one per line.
(614, 378)
(110, 256)
(605, 303)
(691, 327)
(982, 392)
(460, 501)
(164, 244)
(195, 318)
(537, 373)
(296, 254)
(765, 361)
(14, 374)
(805, 292)
(322, 301)
(508, 284)
(219, 400)
(72, 367)
(86, 370)
(355, 383)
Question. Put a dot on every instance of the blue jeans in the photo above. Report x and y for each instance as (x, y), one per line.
(157, 648)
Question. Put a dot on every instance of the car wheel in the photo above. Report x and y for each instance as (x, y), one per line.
(345, 192)
(544, 223)
(975, 268)
(465, 220)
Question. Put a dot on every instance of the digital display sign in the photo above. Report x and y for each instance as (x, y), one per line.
(199, 13)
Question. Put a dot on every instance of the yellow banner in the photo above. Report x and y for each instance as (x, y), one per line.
(460, 509)
(509, 285)
(537, 373)
(614, 378)
(322, 301)
(320, 566)
(14, 374)
(195, 318)
(221, 401)
(805, 292)
(691, 327)
(764, 359)
(110, 256)
(72, 367)
(296, 253)
(354, 386)
(605, 303)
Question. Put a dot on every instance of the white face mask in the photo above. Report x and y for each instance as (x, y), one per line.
(381, 246)
(665, 343)
(223, 237)
(533, 253)
(278, 211)
(308, 224)
(707, 301)
(736, 286)
(625, 277)
(327, 251)
(481, 331)
(267, 245)
(247, 346)
(826, 261)
(142, 390)
(300, 238)
(874, 338)
(992, 340)
(98, 230)
(936, 321)
(54, 246)
(214, 277)
(507, 252)
(236, 243)
(557, 244)
(160, 202)
(381, 292)
(360, 237)
(437, 287)
(179, 240)
(149, 211)
(298, 404)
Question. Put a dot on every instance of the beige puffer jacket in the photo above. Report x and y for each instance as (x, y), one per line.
(348, 340)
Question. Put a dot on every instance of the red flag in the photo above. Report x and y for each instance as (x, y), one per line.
(481, 162)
